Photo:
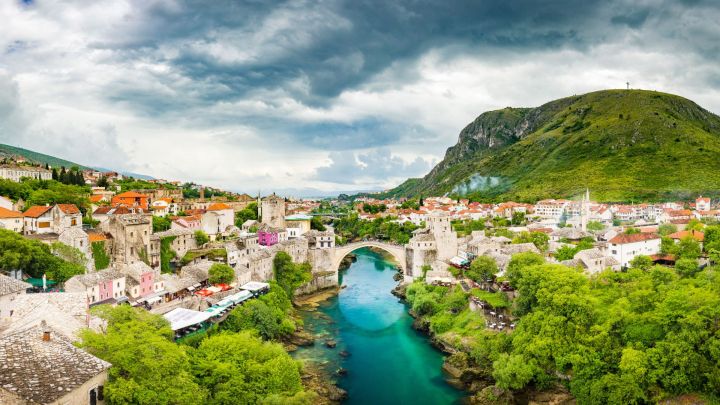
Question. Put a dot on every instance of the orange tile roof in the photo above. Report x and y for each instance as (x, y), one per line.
(69, 208)
(131, 194)
(218, 207)
(6, 213)
(697, 235)
(36, 211)
(96, 237)
(96, 198)
(632, 238)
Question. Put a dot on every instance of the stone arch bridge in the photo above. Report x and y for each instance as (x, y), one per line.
(397, 251)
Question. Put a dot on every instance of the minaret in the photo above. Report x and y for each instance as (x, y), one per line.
(259, 206)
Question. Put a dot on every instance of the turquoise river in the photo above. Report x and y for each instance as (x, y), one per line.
(387, 362)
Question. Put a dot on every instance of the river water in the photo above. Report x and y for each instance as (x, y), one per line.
(387, 361)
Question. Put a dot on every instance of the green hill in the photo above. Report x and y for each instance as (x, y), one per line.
(622, 144)
(7, 151)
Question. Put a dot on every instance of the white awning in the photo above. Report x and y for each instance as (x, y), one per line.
(153, 300)
(255, 286)
(180, 318)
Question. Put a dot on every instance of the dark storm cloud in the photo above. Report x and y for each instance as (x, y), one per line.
(339, 45)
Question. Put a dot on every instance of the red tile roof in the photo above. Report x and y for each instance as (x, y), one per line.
(697, 235)
(69, 208)
(36, 211)
(633, 238)
(96, 198)
(6, 213)
(218, 207)
(131, 194)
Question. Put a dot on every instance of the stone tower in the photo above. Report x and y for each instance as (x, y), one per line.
(446, 241)
(273, 211)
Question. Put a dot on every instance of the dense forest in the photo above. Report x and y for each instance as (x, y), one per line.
(616, 337)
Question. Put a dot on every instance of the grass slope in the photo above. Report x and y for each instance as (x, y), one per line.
(37, 157)
(623, 145)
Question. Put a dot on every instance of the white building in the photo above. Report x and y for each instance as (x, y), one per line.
(11, 220)
(16, 173)
(624, 248)
(218, 218)
(702, 204)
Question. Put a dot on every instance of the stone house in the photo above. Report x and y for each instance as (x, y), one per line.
(131, 237)
(10, 289)
(41, 366)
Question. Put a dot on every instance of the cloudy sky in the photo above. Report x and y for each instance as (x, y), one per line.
(325, 95)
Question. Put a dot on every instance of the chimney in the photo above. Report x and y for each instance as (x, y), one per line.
(46, 331)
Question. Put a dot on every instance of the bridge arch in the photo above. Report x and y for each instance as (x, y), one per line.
(397, 251)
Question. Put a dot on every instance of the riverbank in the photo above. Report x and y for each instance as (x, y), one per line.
(465, 372)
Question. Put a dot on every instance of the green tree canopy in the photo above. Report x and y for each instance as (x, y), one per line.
(482, 268)
(220, 273)
(147, 366)
(289, 275)
(201, 238)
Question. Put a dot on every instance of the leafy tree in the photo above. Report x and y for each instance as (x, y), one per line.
(539, 239)
(239, 368)
(668, 246)
(289, 275)
(631, 231)
(248, 213)
(220, 273)
(147, 367)
(270, 315)
(520, 261)
(641, 262)
(34, 258)
(201, 238)
(103, 182)
(160, 224)
(513, 371)
(316, 223)
(686, 267)
(694, 225)
(482, 268)
(667, 229)
(595, 226)
(688, 248)
(518, 218)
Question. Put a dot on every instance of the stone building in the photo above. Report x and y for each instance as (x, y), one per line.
(10, 289)
(272, 211)
(131, 237)
(182, 240)
(431, 246)
(41, 366)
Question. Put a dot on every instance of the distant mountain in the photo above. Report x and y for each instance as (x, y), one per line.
(36, 157)
(622, 144)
